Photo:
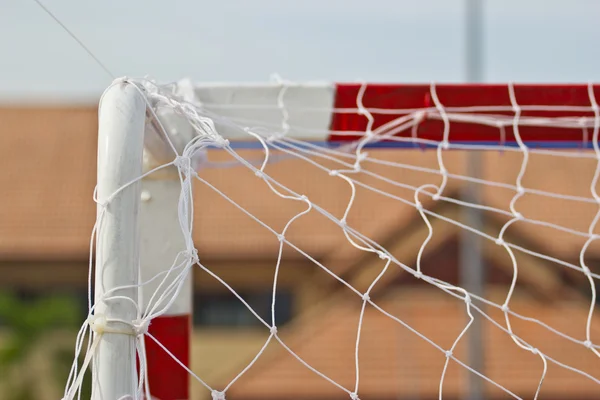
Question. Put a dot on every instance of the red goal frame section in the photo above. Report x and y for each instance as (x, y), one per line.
(167, 379)
(535, 100)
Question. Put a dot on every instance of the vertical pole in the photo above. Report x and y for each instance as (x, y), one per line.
(161, 241)
(120, 146)
(474, 40)
(472, 268)
(472, 278)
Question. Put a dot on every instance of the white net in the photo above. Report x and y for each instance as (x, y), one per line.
(370, 223)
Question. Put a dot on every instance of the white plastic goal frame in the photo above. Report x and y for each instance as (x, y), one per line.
(126, 128)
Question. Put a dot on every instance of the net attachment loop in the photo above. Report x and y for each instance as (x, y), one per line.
(100, 324)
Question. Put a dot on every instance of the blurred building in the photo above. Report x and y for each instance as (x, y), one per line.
(47, 214)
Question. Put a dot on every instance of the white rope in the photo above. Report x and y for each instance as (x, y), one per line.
(349, 167)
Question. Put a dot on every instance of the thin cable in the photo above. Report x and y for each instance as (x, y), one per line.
(74, 37)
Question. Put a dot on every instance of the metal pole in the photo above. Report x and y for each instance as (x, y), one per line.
(474, 40)
(472, 268)
(472, 277)
(120, 146)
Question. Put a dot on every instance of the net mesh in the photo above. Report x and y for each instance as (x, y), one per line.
(541, 206)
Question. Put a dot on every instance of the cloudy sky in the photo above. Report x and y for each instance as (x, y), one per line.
(247, 40)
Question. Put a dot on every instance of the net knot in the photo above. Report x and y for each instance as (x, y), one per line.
(260, 174)
(588, 344)
(183, 163)
(140, 326)
(382, 255)
(499, 241)
(362, 156)
(418, 275)
(354, 396)
(448, 353)
(100, 324)
(281, 237)
(333, 173)
(192, 255)
(221, 142)
(366, 297)
(217, 395)
(504, 307)
(273, 330)
(468, 300)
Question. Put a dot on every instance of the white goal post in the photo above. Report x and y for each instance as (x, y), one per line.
(153, 141)
(145, 230)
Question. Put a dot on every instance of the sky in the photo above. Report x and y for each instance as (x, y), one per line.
(248, 40)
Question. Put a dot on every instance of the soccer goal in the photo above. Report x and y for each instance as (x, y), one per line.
(364, 183)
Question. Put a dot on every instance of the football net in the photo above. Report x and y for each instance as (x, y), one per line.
(346, 167)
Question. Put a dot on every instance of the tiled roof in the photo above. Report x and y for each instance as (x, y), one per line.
(393, 360)
(46, 211)
(48, 176)
(47, 179)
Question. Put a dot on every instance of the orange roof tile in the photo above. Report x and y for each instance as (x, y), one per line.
(48, 177)
(393, 360)
(47, 180)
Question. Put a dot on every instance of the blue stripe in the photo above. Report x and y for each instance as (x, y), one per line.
(408, 145)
